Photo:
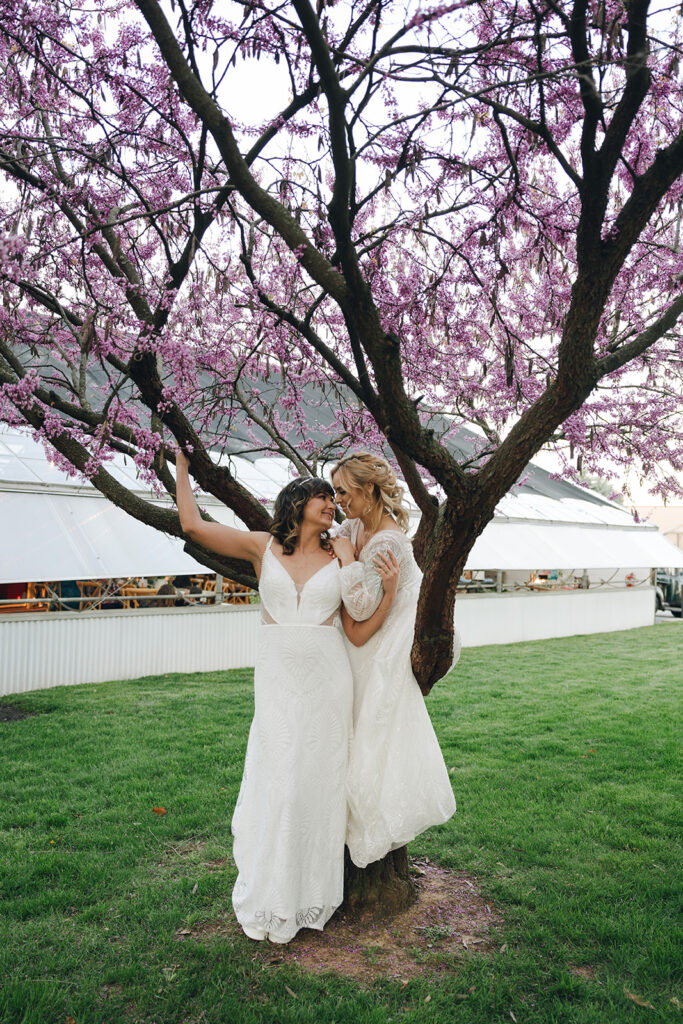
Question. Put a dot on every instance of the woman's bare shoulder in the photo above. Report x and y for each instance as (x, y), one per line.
(259, 539)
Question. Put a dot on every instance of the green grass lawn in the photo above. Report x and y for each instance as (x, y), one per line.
(565, 760)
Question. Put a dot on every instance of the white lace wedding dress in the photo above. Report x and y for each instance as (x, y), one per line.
(290, 819)
(397, 784)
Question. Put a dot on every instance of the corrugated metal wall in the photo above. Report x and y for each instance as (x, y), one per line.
(512, 618)
(59, 649)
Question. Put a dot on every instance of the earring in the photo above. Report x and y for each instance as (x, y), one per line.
(367, 510)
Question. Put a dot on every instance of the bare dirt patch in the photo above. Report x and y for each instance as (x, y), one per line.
(113, 988)
(12, 713)
(585, 971)
(448, 920)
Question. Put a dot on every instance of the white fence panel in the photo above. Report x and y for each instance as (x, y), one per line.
(510, 618)
(59, 649)
(63, 648)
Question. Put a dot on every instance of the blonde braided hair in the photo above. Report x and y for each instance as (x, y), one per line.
(362, 468)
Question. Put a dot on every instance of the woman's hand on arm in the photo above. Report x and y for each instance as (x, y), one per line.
(361, 584)
(387, 565)
(224, 540)
(343, 549)
(388, 569)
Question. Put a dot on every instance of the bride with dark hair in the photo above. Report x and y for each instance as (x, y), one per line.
(289, 823)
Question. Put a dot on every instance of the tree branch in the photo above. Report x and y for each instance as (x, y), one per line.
(640, 344)
(210, 114)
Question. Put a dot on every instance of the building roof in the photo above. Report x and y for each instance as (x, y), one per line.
(62, 528)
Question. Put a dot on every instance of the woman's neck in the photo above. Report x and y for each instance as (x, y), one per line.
(369, 529)
(366, 527)
(309, 541)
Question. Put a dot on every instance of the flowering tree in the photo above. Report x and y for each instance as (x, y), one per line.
(471, 208)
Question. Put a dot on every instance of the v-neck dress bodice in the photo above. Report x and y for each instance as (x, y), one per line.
(284, 602)
(290, 820)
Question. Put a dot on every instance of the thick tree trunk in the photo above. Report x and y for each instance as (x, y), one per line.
(450, 542)
(456, 528)
(382, 888)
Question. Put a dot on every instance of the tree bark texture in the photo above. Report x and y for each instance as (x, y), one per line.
(382, 888)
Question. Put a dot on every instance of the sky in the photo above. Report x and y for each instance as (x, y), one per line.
(639, 494)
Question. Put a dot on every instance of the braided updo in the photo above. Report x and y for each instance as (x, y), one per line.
(363, 468)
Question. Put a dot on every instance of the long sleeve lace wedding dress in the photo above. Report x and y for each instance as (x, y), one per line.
(397, 783)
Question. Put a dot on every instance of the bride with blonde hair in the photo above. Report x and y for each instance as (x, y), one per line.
(397, 782)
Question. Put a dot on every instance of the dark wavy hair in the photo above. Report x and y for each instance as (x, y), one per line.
(288, 512)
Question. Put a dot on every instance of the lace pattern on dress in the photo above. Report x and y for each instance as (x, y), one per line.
(268, 924)
(361, 584)
(268, 620)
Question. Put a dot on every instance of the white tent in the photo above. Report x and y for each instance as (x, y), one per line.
(53, 528)
(534, 531)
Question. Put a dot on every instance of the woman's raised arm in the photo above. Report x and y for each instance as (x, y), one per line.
(224, 540)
